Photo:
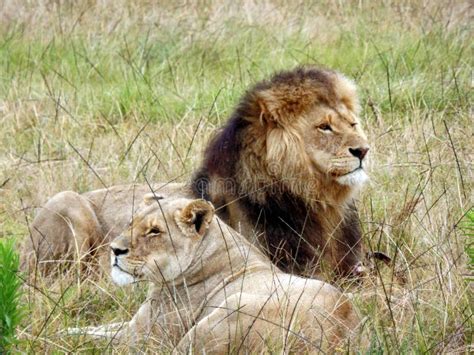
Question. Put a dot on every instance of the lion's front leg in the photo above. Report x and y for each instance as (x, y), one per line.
(109, 331)
(123, 332)
(227, 328)
(210, 334)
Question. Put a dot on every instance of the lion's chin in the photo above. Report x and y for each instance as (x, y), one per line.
(120, 277)
(354, 178)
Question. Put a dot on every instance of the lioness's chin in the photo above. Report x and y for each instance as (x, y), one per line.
(121, 278)
(355, 178)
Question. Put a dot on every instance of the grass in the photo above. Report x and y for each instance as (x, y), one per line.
(10, 295)
(80, 80)
(468, 227)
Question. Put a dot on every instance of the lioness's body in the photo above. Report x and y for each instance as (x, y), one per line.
(211, 289)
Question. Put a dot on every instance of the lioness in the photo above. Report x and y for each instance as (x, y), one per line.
(212, 290)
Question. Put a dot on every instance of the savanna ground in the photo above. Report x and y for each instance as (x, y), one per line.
(97, 93)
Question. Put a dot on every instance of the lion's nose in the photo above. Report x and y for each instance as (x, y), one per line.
(119, 251)
(359, 152)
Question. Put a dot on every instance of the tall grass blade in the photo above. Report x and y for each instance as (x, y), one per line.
(10, 283)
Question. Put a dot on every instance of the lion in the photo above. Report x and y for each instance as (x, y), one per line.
(211, 290)
(286, 167)
(284, 171)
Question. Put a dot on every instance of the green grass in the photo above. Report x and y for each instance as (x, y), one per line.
(85, 77)
(10, 295)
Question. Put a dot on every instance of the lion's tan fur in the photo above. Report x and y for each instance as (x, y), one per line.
(213, 290)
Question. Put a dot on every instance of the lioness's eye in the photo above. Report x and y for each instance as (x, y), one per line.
(154, 231)
(325, 127)
(353, 124)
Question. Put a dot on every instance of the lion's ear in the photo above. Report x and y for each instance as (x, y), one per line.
(151, 197)
(195, 218)
(265, 116)
(282, 105)
(268, 112)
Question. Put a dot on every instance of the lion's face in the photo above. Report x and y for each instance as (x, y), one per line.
(160, 242)
(335, 144)
(311, 122)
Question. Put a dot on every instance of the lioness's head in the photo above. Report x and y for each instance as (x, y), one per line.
(310, 121)
(161, 240)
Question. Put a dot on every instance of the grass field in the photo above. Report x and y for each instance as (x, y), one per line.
(97, 93)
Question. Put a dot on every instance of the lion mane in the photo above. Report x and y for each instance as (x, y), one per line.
(257, 174)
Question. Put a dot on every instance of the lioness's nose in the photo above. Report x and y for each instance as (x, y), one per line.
(118, 251)
(359, 152)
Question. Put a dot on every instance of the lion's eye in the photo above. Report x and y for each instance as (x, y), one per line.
(325, 127)
(154, 231)
(353, 124)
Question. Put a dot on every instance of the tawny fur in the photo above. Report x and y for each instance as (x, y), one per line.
(213, 291)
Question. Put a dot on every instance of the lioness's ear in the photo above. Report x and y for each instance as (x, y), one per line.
(195, 218)
(151, 197)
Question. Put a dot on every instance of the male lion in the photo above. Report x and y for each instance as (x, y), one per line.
(213, 291)
(283, 171)
(286, 165)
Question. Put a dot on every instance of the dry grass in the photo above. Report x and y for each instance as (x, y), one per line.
(104, 92)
